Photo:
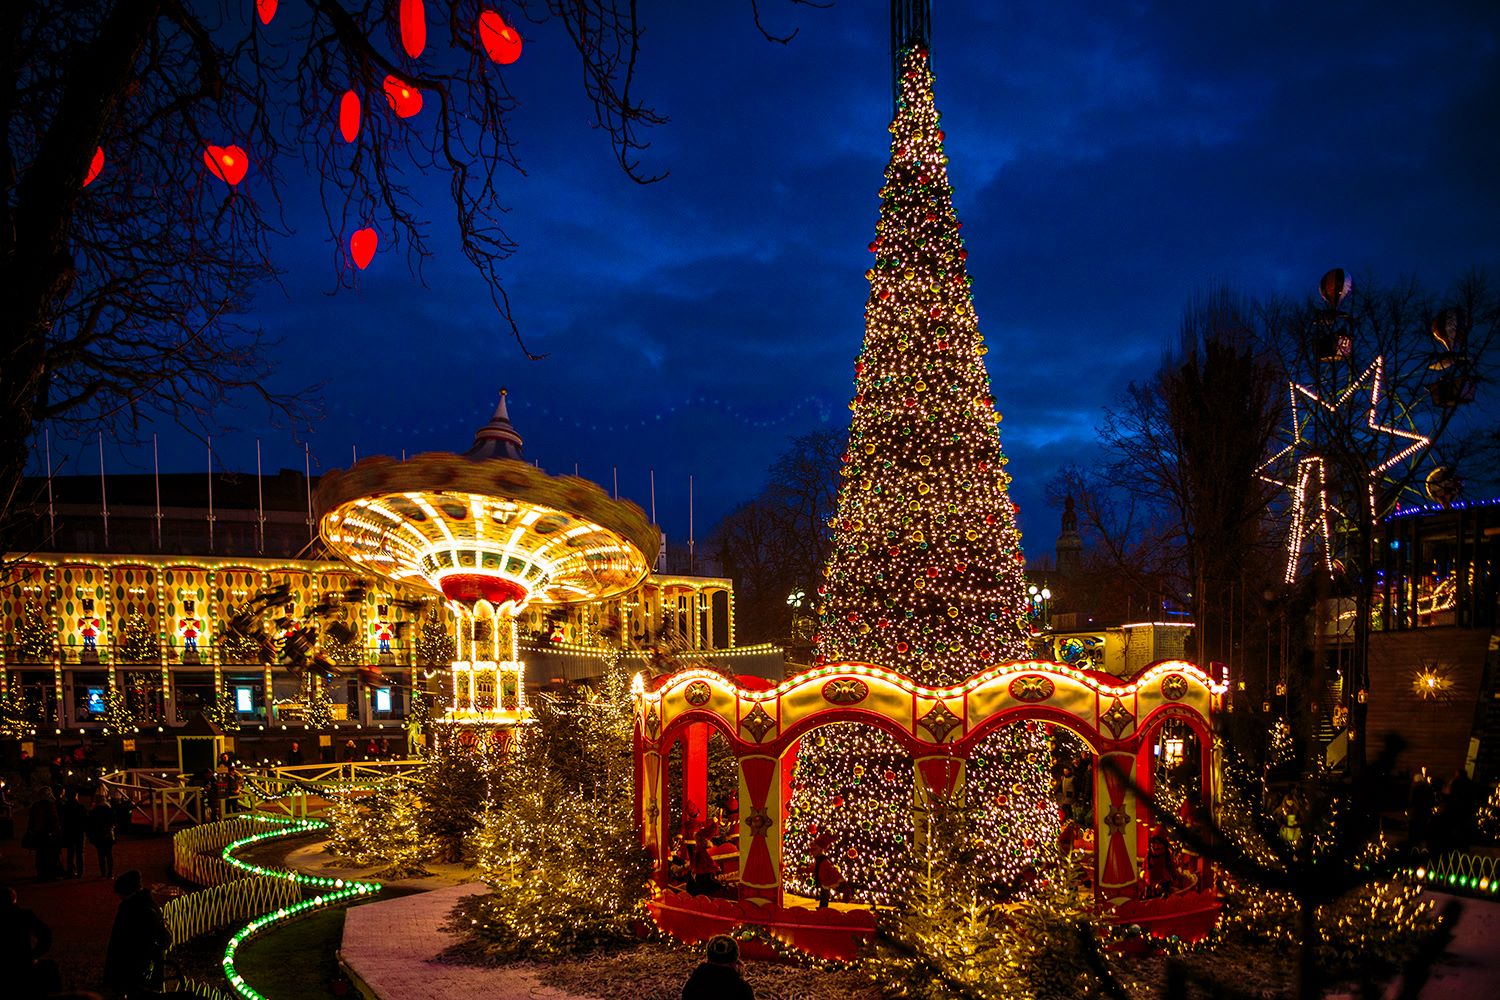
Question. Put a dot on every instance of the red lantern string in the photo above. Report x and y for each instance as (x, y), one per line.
(500, 40)
(266, 9)
(413, 27)
(362, 246)
(227, 163)
(349, 116)
(405, 99)
(95, 165)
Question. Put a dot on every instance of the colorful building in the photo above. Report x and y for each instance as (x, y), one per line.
(133, 588)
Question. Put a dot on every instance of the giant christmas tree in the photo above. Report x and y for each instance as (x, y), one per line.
(925, 576)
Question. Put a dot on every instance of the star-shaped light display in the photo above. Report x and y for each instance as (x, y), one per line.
(1308, 481)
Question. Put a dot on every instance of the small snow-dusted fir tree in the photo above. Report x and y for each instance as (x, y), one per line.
(926, 570)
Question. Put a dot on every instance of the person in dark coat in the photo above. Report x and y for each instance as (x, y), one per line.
(74, 816)
(137, 942)
(123, 808)
(44, 833)
(100, 829)
(718, 976)
(24, 939)
(294, 756)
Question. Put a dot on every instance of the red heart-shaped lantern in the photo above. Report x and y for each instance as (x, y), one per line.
(501, 42)
(362, 247)
(266, 9)
(405, 99)
(227, 163)
(413, 27)
(349, 116)
(95, 165)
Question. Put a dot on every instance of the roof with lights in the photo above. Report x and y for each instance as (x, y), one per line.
(495, 530)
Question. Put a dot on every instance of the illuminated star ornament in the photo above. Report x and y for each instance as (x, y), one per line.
(1314, 505)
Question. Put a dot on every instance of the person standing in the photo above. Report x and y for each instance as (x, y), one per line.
(294, 756)
(137, 942)
(75, 816)
(43, 833)
(24, 939)
(718, 976)
(101, 833)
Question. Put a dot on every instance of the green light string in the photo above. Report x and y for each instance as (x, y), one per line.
(340, 890)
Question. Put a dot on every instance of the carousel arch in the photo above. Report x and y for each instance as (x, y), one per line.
(938, 727)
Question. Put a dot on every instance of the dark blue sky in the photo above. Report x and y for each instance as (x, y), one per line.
(1108, 161)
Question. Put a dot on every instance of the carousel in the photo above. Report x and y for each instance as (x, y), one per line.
(492, 536)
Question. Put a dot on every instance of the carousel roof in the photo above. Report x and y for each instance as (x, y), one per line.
(492, 529)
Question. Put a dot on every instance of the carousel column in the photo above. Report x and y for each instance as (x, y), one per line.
(708, 620)
(694, 776)
(1114, 813)
(761, 814)
(1145, 775)
(651, 803)
(1211, 757)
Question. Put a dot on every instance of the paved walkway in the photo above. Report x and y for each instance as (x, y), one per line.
(392, 947)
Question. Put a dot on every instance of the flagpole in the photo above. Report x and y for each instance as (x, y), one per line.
(307, 480)
(156, 477)
(103, 493)
(210, 439)
(51, 509)
(690, 524)
(653, 496)
(260, 501)
(617, 482)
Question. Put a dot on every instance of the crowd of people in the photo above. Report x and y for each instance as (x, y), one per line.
(69, 820)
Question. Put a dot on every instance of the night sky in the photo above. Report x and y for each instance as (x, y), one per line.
(1108, 161)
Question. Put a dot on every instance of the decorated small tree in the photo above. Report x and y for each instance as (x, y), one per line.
(953, 937)
(18, 714)
(434, 644)
(118, 719)
(318, 715)
(36, 635)
(138, 641)
(454, 790)
(223, 713)
(396, 817)
(561, 851)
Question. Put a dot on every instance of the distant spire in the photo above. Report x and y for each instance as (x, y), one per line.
(911, 24)
(1069, 543)
(498, 438)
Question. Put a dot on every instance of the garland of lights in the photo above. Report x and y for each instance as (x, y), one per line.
(329, 892)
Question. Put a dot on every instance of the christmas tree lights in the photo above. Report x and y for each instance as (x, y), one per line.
(138, 641)
(926, 571)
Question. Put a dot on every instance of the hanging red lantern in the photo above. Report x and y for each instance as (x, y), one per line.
(227, 163)
(405, 99)
(266, 9)
(362, 247)
(413, 27)
(501, 42)
(95, 165)
(349, 116)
